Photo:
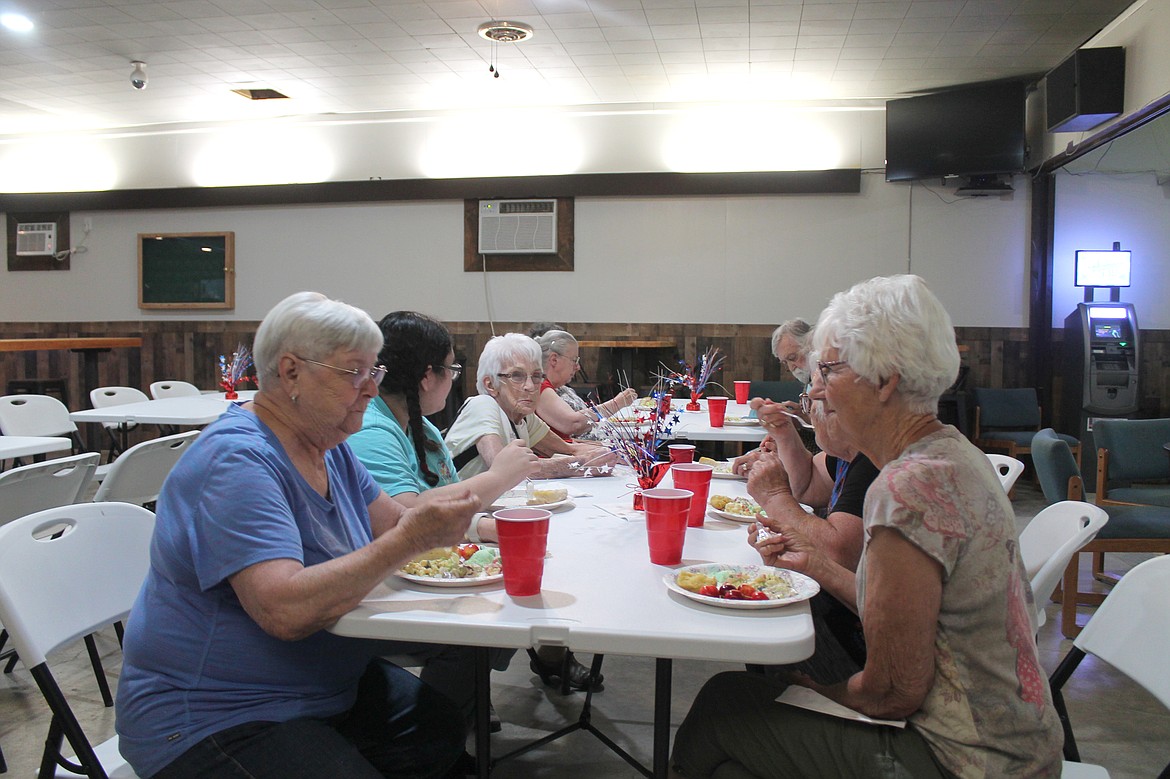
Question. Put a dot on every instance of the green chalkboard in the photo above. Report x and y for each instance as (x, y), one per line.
(186, 270)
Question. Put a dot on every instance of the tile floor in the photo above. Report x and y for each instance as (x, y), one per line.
(1117, 724)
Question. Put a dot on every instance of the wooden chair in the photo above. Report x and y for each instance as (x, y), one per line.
(1129, 452)
(1006, 420)
(1130, 528)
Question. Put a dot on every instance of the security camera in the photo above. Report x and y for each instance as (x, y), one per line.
(138, 77)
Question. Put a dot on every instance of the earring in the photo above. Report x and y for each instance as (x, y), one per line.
(293, 397)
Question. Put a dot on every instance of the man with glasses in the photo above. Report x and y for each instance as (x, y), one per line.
(508, 381)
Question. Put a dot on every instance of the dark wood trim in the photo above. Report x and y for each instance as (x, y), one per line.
(43, 261)
(474, 262)
(1040, 291)
(802, 182)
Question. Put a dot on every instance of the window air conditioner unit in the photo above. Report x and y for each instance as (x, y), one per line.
(36, 238)
(518, 226)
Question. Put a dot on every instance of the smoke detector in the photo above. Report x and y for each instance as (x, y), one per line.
(505, 32)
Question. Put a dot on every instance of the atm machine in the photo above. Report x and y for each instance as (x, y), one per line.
(1100, 367)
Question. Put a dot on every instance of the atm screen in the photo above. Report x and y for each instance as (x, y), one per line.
(1111, 330)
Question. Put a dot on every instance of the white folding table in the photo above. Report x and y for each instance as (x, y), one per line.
(600, 594)
(696, 425)
(190, 410)
(16, 446)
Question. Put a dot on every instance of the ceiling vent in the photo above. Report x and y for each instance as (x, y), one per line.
(505, 32)
(261, 94)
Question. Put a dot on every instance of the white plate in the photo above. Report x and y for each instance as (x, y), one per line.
(805, 587)
(741, 421)
(521, 502)
(733, 517)
(434, 581)
(431, 581)
(727, 474)
(744, 517)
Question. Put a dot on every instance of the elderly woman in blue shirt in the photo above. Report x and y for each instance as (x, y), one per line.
(269, 530)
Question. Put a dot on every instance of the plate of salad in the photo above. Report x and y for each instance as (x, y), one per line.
(463, 565)
(741, 586)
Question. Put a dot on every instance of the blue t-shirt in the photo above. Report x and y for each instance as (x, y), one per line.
(388, 452)
(194, 662)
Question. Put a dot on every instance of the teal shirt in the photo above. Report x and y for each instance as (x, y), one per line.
(388, 452)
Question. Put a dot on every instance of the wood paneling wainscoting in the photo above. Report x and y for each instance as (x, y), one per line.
(189, 350)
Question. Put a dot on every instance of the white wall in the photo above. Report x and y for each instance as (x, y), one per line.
(1093, 211)
(750, 260)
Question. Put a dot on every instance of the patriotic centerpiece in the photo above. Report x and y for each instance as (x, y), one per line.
(635, 438)
(696, 377)
(233, 373)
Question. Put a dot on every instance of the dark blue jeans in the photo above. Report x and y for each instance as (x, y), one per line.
(399, 728)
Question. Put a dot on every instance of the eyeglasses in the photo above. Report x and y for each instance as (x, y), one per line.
(454, 368)
(826, 368)
(575, 360)
(376, 374)
(805, 403)
(520, 378)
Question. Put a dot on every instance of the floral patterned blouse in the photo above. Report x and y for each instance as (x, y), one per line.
(989, 712)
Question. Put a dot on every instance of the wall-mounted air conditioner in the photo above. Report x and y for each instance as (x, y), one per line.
(518, 226)
(36, 238)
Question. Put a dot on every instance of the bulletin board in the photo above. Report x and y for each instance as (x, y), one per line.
(186, 270)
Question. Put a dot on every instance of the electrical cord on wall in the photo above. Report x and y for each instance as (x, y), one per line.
(487, 298)
(80, 248)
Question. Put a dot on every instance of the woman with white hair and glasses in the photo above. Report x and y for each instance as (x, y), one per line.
(558, 405)
(268, 530)
(940, 588)
(508, 381)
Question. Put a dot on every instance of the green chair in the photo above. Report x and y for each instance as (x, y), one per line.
(776, 390)
(1006, 420)
(1130, 452)
(1129, 529)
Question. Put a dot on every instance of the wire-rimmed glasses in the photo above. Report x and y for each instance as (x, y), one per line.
(375, 374)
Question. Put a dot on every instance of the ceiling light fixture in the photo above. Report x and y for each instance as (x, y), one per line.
(16, 22)
(502, 32)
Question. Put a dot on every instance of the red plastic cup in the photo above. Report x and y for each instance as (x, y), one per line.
(681, 453)
(666, 523)
(741, 391)
(523, 536)
(695, 477)
(716, 409)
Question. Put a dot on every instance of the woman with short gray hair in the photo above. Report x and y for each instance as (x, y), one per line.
(508, 380)
(268, 531)
(941, 590)
(559, 405)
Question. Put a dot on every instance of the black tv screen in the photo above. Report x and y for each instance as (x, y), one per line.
(973, 130)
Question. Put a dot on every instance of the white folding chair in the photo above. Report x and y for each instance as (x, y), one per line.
(1130, 631)
(104, 397)
(1050, 540)
(37, 415)
(1007, 468)
(104, 553)
(32, 488)
(173, 389)
(138, 474)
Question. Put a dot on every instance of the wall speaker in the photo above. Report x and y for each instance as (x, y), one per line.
(1085, 90)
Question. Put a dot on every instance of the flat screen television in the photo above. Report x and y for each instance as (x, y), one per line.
(1102, 268)
(973, 130)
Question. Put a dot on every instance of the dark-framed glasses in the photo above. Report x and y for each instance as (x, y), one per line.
(805, 403)
(455, 369)
(375, 374)
(826, 368)
(520, 378)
